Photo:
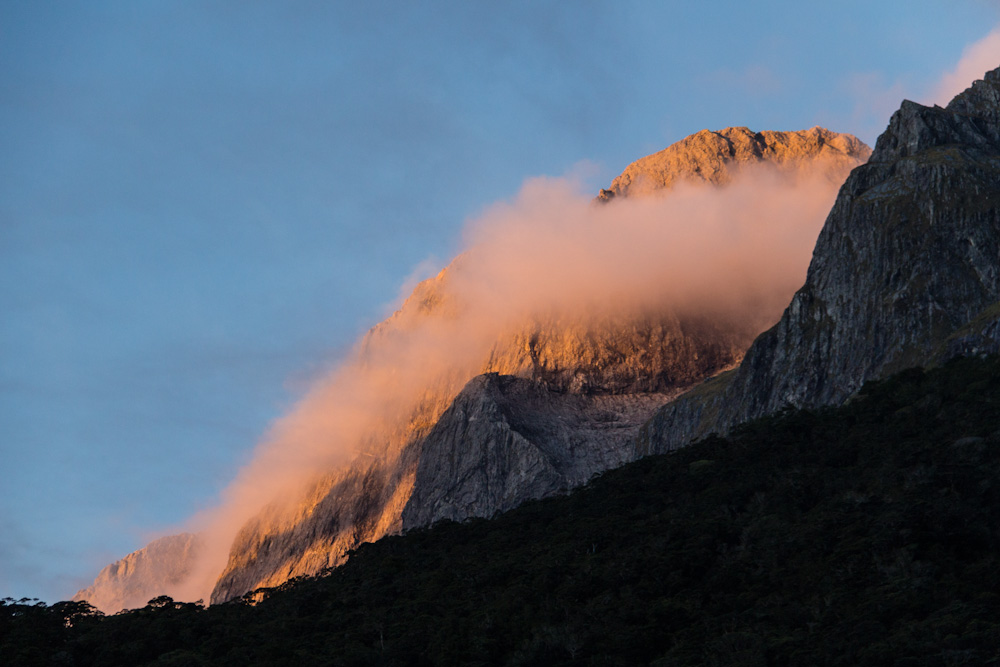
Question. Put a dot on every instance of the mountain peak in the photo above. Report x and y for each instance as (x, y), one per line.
(714, 156)
(131, 581)
(971, 120)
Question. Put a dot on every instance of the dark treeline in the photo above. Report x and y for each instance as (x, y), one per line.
(863, 535)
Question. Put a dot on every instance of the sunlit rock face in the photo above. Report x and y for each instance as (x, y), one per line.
(142, 575)
(542, 405)
(715, 157)
(906, 272)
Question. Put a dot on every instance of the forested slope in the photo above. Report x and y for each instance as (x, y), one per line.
(862, 535)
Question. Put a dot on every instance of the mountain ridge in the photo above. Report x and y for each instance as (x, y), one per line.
(166, 561)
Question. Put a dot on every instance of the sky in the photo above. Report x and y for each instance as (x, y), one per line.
(204, 204)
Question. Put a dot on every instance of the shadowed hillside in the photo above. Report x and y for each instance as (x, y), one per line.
(862, 535)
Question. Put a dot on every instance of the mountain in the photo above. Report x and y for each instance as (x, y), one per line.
(862, 534)
(906, 272)
(546, 401)
(587, 384)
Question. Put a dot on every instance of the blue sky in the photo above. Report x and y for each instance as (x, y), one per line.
(204, 204)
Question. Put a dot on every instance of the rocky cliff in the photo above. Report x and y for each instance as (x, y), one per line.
(553, 399)
(906, 272)
(506, 439)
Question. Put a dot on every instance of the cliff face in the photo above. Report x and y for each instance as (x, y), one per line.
(142, 575)
(552, 400)
(506, 439)
(906, 272)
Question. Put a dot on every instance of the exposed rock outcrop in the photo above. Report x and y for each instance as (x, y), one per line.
(358, 503)
(906, 272)
(716, 157)
(651, 353)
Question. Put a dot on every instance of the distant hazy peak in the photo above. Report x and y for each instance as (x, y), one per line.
(142, 575)
(715, 156)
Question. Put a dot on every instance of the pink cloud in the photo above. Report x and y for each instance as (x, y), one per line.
(977, 59)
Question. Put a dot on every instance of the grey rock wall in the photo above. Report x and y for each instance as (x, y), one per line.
(505, 440)
(905, 272)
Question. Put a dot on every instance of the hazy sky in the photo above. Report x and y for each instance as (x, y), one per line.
(203, 204)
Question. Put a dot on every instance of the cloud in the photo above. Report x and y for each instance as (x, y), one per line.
(977, 59)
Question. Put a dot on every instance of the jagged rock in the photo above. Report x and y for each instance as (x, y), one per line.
(358, 503)
(142, 575)
(577, 376)
(906, 272)
(716, 157)
(639, 355)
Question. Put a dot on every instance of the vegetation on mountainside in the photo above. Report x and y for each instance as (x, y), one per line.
(863, 535)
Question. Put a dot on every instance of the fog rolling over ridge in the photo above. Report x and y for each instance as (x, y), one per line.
(607, 308)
